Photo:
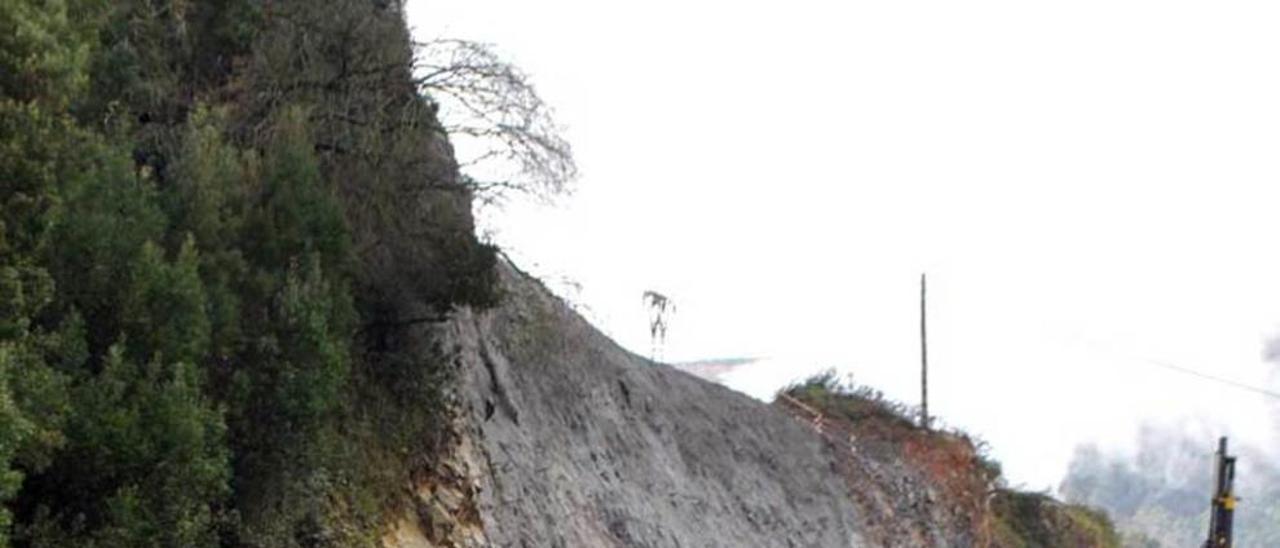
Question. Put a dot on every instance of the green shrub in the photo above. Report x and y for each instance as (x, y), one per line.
(205, 208)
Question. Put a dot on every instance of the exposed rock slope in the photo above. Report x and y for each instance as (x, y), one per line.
(589, 445)
(565, 439)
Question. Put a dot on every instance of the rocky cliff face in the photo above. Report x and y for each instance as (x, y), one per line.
(562, 438)
(572, 441)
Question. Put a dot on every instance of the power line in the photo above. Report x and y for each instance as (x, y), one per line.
(1206, 376)
(1188, 371)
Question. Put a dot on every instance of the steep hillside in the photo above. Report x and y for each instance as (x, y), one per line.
(242, 304)
(576, 442)
(562, 438)
(217, 222)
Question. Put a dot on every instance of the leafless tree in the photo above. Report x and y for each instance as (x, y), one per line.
(504, 133)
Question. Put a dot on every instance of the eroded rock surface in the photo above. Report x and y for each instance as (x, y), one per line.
(589, 445)
(565, 439)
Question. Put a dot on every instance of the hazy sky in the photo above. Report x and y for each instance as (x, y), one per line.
(1089, 184)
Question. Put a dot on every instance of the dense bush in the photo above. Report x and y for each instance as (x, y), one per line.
(1026, 520)
(852, 402)
(218, 225)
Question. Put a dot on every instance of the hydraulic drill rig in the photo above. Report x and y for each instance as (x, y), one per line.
(1224, 498)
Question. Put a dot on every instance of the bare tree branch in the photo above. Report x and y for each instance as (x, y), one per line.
(504, 133)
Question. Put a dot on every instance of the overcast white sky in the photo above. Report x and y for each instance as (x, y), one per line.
(1089, 184)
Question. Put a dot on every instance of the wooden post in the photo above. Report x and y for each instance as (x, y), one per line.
(924, 360)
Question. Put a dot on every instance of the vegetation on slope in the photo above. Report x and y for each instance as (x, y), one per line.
(964, 485)
(1034, 519)
(219, 224)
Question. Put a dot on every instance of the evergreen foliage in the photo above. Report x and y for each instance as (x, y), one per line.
(217, 223)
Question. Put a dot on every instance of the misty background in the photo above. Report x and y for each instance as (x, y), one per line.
(1091, 187)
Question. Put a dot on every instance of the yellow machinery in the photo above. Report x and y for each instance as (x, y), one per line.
(1224, 498)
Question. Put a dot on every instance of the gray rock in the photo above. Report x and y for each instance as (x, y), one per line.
(567, 440)
(586, 444)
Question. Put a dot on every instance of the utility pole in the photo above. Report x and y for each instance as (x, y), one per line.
(924, 360)
(1224, 498)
